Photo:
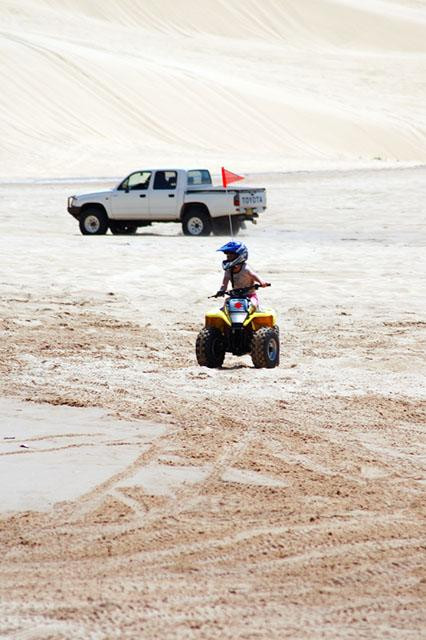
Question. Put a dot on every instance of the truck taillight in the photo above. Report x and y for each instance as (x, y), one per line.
(237, 200)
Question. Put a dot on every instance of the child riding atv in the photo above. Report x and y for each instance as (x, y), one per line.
(238, 272)
(239, 327)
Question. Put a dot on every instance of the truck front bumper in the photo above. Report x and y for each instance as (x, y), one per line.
(72, 208)
(75, 212)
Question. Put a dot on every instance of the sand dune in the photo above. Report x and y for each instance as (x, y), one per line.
(101, 87)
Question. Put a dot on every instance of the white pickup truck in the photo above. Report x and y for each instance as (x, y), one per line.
(167, 195)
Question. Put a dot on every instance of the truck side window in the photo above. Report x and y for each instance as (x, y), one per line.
(137, 181)
(165, 180)
(199, 176)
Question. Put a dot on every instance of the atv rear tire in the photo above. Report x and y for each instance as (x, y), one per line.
(210, 348)
(93, 222)
(265, 348)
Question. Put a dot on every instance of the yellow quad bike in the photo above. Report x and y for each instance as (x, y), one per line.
(239, 328)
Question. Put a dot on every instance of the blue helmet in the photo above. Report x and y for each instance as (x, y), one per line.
(239, 249)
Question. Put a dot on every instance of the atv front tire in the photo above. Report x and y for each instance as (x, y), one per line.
(265, 348)
(210, 348)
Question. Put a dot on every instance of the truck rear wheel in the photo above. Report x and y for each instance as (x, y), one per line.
(93, 222)
(210, 348)
(265, 348)
(196, 222)
(221, 226)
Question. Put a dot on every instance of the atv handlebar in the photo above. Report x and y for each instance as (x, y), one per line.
(238, 292)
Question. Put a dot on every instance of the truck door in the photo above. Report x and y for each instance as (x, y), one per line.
(164, 196)
(130, 201)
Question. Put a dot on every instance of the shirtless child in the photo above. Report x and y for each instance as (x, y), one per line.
(238, 272)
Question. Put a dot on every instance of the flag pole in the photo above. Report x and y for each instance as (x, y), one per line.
(225, 184)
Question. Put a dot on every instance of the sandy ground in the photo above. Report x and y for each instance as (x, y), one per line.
(156, 499)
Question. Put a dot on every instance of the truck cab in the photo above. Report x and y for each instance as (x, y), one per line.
(155, 195)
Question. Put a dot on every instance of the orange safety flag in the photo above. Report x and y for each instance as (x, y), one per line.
(228, 176)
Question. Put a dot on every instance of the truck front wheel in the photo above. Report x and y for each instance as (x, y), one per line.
(93, 222)
(196, 222)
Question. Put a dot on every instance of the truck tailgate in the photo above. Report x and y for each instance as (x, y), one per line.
(252, 198)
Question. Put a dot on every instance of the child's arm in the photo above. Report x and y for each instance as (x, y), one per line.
(225, 281)
(224, 284)
(257, 278)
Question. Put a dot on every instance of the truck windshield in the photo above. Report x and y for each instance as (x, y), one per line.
(199, 176)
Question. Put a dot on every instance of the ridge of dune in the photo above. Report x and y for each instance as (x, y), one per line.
(338, 22)
(101, 87)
